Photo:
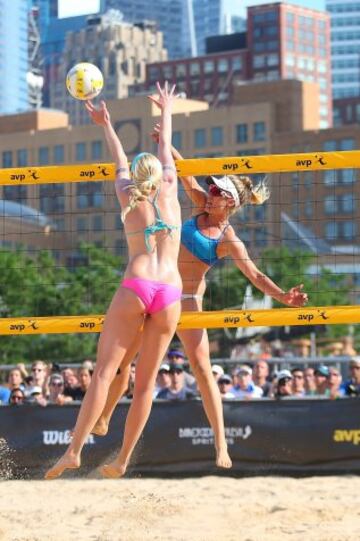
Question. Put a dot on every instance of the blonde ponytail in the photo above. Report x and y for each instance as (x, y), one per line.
(248, 194)
(146, 172)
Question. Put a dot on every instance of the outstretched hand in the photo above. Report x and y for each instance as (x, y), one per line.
(295, 297)
(165, 97)
(100, 116)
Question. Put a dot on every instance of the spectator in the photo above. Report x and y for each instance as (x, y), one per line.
(245, 387)
(89, 365)
(163, 379)
(335, 390)
(15, 379)
(217, 371)
(130, 390)
(17, 397)
(225, 386)
(36, 396)
(175, 356)
(322, 380)
(261, 375)
(70, 381)
(283, 385)
(56, 391)
(22, 368)
(4, 395)
(309, 380)
(78, 392)
(39, 375)
(177, 389)
(298, 382)
(352, 386)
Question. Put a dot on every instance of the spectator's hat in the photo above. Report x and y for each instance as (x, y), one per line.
(225, 378)
(284, 375)
(36, 390)
(354, 361)
(322, 370)
(175, 353)
(164, 367)
(217, 369)
(88, 364)
(174, 367)
(244, 369)
(55, 378)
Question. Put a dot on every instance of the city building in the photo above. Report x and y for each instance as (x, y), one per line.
(346, 111)
(120, 50)
(184, 23)
(345, 47)
(282, 41)
(14, 56)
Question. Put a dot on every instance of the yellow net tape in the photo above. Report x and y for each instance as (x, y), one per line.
(327, 315)
(277, 163)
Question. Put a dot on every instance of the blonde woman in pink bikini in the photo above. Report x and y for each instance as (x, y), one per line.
(147, 302)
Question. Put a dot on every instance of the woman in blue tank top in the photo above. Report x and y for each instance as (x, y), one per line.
(206, 238)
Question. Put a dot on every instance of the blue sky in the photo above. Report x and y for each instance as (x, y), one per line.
(70, 7)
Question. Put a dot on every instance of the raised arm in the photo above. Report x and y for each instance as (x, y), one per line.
(101, 117)
(295, 297)
(191, 186)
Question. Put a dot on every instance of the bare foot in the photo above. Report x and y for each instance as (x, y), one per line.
(101, 428)
(114, 470)
(66, 462)
(223, 459)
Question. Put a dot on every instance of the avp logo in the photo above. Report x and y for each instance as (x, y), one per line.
(308, 162)
(310, 316)
(20, 327)
(323, 314)
(245, 162)
(103, 171)
(87, 325)
(31, 173)
(246, 316)
(87, 174)
(305, 317)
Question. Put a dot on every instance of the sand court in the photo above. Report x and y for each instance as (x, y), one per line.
(200, 509)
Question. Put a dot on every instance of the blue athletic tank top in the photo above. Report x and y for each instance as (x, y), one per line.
(202, 247)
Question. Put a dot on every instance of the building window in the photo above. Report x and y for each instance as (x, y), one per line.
(330, 204)
(96, 150)
(200, 138)
(177, 139)
(194, 68)
(81, 224)
(241, 133)
(330, 177)
(118, 222)
(348, 203)
(217, 136)
(52, 198)
(223, 65)
(97, 223)
(237, 63)
(89, 194)
(22, 157)
(80, 152)
(7, 158)
(331, 230)
(59, 154)
(349, 230)
(15, 193)
(259, 61)
(347, 176)
(180, 70)
(259, 131)
(347, 144)
(329, 146)
(209, 66)
(308, 210)
(43, 155)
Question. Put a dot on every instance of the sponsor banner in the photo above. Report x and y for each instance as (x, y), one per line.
(329, 315)
(288, 436)
(204, 166)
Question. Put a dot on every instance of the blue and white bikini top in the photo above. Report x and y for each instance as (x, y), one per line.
(201, 246)
(158, 225)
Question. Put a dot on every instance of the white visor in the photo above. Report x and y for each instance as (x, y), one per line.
(225, 184)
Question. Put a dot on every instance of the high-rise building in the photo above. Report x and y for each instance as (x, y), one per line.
(184, 23)
(120, 50)
(345, 47)
(13, 56)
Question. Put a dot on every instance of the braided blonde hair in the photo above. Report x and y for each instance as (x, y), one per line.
(248, 193)
(146, 174)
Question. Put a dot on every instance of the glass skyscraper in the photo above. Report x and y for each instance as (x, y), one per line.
(345, 47)
(13, 55)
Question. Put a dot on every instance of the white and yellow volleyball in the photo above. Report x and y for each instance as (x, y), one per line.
(84, 81)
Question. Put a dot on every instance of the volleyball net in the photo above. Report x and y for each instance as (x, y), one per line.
(62, 247)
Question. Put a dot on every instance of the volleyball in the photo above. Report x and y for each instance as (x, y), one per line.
(84, 81)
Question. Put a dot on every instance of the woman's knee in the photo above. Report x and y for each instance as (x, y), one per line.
(201, 368)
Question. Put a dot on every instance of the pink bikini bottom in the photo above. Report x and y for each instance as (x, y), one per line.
(154, 295)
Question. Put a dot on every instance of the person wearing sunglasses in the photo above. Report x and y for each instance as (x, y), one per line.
(206, 238)
(17, 397)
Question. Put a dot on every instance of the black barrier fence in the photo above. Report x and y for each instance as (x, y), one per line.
(277, 437)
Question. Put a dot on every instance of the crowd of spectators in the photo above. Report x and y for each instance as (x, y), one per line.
(50, 384)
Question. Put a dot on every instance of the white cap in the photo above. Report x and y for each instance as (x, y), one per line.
(164, 367)
(284, 374)
(225, 184)
(217, 369)
(244, 368)
(36, 390)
